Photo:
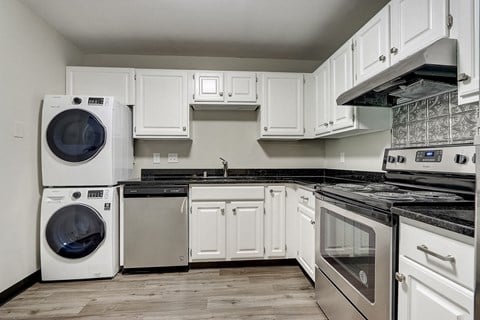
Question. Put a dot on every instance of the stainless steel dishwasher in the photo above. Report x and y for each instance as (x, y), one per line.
(155, 226)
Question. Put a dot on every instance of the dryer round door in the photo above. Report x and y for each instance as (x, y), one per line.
(75, 135)
(75, 231)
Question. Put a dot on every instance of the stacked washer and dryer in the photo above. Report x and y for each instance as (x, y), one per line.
(86, 149)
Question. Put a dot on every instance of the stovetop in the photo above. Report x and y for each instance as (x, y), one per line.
(383, 195)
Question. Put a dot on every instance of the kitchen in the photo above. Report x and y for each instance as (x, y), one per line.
(37, 57)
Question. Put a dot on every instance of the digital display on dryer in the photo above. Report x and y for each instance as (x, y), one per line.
(95, 101)
(95, 194)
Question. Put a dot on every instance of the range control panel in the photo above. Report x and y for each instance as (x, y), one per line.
(459, 159)
(429, 156)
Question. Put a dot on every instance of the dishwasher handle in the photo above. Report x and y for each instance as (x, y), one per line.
(154, 191)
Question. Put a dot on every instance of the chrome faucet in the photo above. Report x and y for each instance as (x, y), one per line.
(225, 167)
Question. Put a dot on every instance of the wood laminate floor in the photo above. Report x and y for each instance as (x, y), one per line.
(270, 293)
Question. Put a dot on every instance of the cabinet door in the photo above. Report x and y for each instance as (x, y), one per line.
(341, 79)
(468, 45)
(282, 108)
(425, 294)
(371, 52)
(245, 229)
(417, 24)
(207, 231)
(162, 108)
(241, 87)
(208, 86)
(117, 82)
(322, 99)
(306, 243)
(275, 221)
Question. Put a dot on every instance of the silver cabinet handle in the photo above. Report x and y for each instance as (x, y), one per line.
(330, 122)
(382, 58)
(425, 249)
(463, 77)
(393, 50)
(184, 128)
(265, 128)
(325, 124)
(271, 192)
(399, 277)
(312, 222)
(229, 94)
(234, 210)
(222, 211)
(304, 198)
(220, 94)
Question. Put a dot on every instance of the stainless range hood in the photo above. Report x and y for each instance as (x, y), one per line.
(430, 71)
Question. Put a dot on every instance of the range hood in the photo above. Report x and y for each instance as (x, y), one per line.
(428, 72)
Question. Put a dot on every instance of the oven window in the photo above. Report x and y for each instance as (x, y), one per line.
(349, 247)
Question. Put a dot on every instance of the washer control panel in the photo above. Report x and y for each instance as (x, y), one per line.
(95, 194)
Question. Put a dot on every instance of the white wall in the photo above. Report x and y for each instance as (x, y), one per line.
(196, 63)
(233, 136)
(32, 63)
(364, 152)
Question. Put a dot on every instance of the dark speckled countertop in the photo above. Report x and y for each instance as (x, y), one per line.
(456, 217)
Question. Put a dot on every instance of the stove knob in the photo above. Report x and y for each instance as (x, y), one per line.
(460, 159)
(76, 195)
(400, 159)
(391, 159)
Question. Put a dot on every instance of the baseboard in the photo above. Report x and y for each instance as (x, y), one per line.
(22, 285)
(243, 263)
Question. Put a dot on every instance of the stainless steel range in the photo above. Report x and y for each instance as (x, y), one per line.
(356, 234)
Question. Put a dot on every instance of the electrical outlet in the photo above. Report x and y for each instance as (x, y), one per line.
(156, 158)
(173, 157)
(342, 157)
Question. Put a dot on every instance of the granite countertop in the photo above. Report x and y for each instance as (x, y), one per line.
(456, 217)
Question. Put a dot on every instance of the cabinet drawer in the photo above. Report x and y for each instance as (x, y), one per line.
(306, 198)
(228, 193)
(422, 246)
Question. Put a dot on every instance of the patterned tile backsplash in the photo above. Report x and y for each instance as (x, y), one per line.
(435, 120)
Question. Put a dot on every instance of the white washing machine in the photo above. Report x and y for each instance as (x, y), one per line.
(79, 233)
(86, 141)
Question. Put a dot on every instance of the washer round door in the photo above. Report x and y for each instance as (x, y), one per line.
(75, 135)
(75, 231)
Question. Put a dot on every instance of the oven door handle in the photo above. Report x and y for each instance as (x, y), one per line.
(425, 249)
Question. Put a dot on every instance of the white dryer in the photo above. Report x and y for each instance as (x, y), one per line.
(86, 141)
(79, 233)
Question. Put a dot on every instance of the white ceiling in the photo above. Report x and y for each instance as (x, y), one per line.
(292, 29)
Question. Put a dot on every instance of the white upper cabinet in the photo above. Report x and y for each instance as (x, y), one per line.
(466, 29)
(241, 87)
(216, 88)
(417, 24)
(208, 86)
(322, 99)
(275, 215)
(282, 107)
(341, 80)
(117, 82)
(161, 109)
(245, 229)
(372, 46)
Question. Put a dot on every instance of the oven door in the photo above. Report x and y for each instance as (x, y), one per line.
(354, 253)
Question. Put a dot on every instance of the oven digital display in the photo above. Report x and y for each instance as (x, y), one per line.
(429, 156)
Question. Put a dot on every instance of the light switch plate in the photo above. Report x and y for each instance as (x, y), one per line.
(156, 158)
(172, 157)
(19, 129)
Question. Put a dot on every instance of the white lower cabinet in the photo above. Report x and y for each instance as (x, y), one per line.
(207, 231)
(435, 273)
(306, 241)
(245, 229)
(425, 294)
(275, 217)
